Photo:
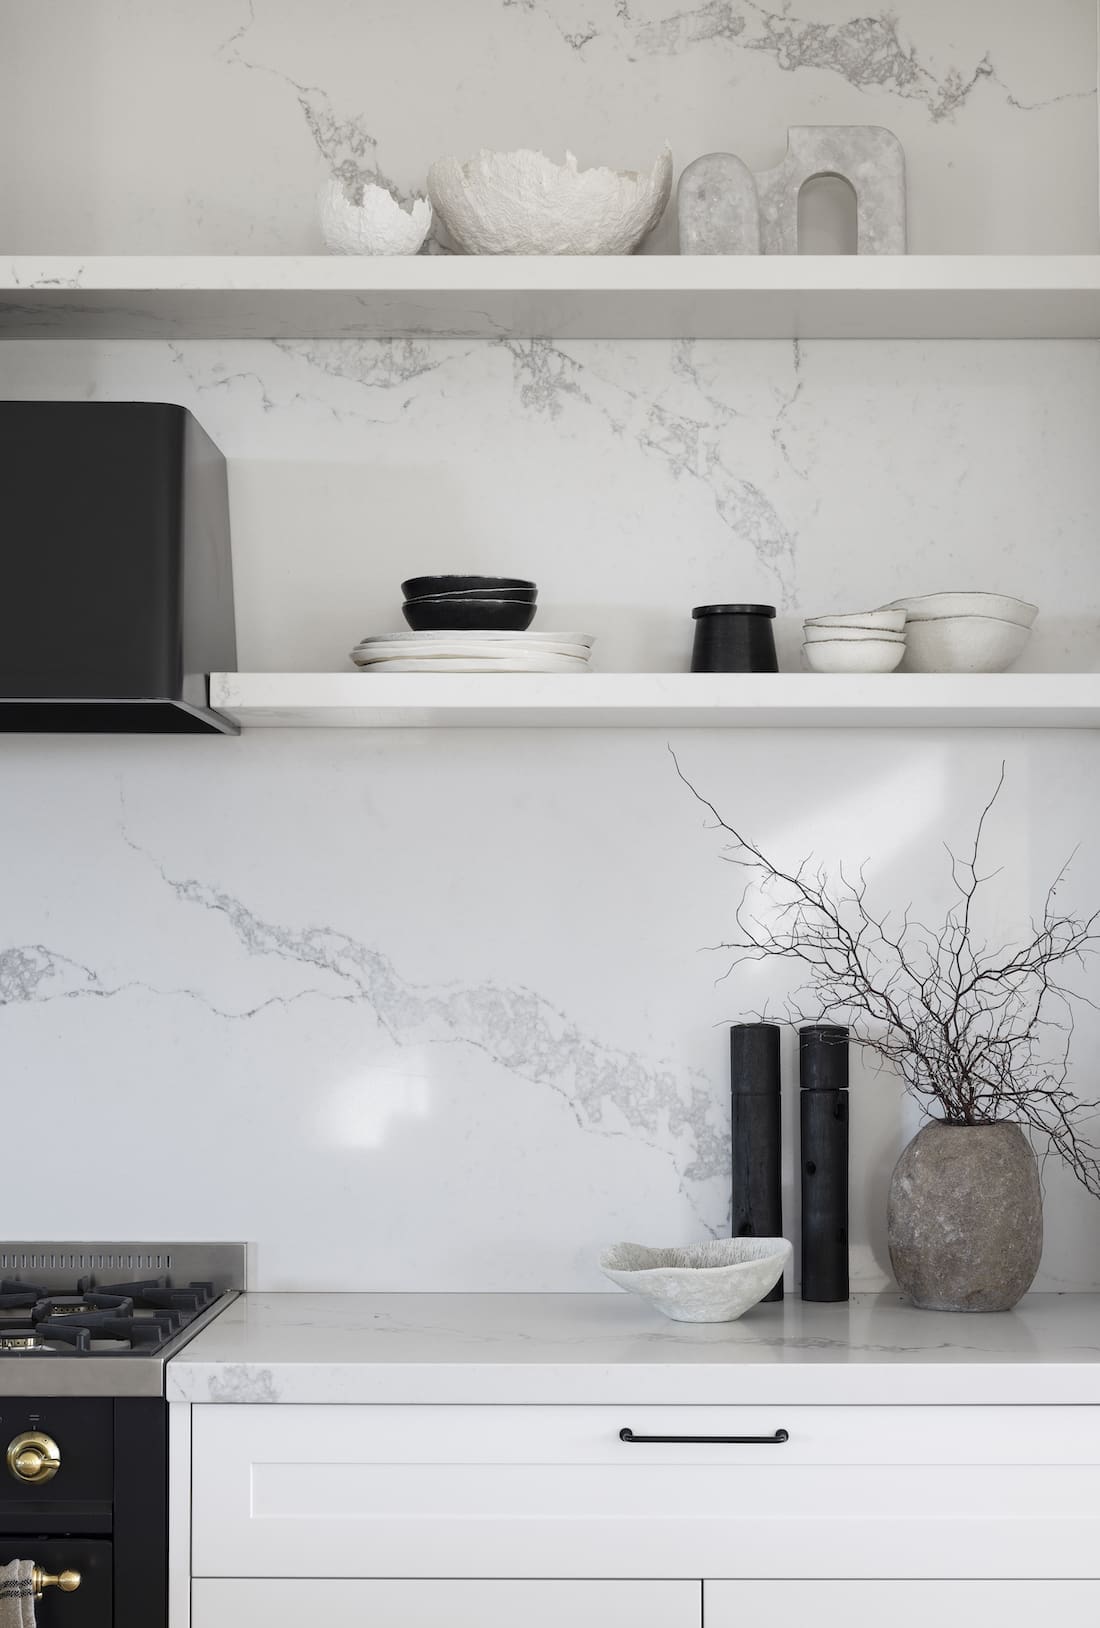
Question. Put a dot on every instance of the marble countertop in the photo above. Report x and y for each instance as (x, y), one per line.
(611, 1348)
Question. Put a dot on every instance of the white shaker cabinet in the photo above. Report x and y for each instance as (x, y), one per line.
(287, 1490)
(901, 1603)
(442, 1603)
(568, 1462)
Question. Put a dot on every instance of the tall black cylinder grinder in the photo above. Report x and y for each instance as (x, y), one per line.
(823, 1101)
(756, 1134)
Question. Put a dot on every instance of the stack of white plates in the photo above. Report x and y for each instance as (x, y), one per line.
(482, 652)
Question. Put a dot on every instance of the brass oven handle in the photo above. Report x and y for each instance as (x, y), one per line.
(33, 1457)
(67, 1581)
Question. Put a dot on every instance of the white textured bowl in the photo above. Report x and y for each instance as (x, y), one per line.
(925, 607)
(378, 225)
(838, 635)
(854, 655)
(963, 644)
(523, 203)
(701, 1283)
(886, 620)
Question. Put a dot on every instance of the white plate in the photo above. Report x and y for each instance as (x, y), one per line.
(451, 635)
(368, 655)
(511, 664)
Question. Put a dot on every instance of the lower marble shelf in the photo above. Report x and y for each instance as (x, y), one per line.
(659, 700)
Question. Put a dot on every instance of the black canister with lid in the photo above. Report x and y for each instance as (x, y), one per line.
(756, 1137)
(734, 639)
(823, 1076)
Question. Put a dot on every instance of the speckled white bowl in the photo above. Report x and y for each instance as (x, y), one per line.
(854, 655)
(963, 644)
(821, 635)
(713, 1282)
(925, 607)
(886, 620)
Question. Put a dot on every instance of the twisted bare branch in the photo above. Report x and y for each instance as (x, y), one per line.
(978, 1034)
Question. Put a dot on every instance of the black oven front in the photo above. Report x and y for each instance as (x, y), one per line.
(84, 1498)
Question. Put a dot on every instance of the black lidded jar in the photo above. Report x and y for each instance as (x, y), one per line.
(823, 1103)
(734, 639)
(756, 1134)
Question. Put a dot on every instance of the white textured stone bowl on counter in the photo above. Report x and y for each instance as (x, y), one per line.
(374, 223)
(523, 203)
(714, 1282)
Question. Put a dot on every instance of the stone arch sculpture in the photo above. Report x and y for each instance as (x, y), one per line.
(724, 208)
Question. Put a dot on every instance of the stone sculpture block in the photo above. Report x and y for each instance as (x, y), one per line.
(725, 209)
(719, 207)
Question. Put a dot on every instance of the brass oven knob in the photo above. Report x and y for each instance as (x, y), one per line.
(66, 1581)
(34, 1457)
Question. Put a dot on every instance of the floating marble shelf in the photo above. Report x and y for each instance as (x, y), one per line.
(596, 297)
(658, 700)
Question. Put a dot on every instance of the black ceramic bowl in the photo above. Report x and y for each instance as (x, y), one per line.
(528, 595)
(470, 615)
(419, 587)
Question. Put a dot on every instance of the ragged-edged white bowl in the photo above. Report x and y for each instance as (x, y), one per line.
(713, 1282)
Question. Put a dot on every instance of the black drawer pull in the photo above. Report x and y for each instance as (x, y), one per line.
(780, 1436)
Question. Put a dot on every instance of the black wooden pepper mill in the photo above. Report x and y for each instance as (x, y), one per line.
(756, 1134)
(823, 1072)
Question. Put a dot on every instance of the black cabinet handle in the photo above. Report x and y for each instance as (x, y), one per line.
(776, 1440)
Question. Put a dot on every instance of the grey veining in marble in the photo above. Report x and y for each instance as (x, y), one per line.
(608, 1091)
(869, 51)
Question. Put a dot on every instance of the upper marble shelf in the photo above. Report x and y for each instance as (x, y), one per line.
(639, 297)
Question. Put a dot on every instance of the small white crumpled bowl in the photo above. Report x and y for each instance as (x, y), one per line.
(700, 1283)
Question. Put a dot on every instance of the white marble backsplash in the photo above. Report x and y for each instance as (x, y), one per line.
(435, 1009)
(207, 125)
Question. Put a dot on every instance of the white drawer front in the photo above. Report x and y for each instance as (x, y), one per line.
(554, 1492)
(901, 1604)
(291, 1603)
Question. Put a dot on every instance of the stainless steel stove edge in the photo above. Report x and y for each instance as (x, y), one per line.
(54, 1265)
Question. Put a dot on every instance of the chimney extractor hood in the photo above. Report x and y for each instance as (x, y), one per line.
(116, 593)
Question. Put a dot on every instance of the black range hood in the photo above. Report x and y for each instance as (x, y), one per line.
(116, 582)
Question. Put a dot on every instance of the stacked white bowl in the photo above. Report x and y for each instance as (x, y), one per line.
(855, 642)
(964, 633)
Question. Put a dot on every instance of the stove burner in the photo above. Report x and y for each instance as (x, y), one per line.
(88, 1318)
(81, 1305)
(15, 1339)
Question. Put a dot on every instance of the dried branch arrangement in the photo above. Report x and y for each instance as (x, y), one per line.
(970, 1029)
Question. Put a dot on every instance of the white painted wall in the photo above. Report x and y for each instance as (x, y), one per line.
(435, 1010)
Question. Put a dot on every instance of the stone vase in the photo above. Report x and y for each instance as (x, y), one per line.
(965, 1217)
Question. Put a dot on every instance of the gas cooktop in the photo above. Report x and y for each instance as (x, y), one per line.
(102, 1319)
